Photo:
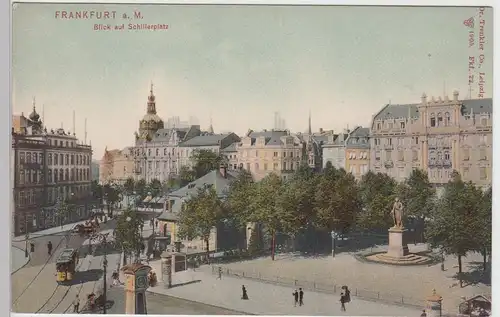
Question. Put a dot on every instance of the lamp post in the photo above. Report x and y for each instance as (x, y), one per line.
(26, 237)
(334, 236)
(104, 241)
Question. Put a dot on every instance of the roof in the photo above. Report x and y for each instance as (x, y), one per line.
(205, 140)
(359, 138)
(165, 134)
(230, 148)
(271, 137)
(213, 178)
(168, 216)
(401, 110)
(65, 256)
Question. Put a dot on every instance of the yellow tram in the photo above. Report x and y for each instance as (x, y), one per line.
(66, 265)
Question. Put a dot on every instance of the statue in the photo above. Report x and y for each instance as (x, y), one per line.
(397, 213)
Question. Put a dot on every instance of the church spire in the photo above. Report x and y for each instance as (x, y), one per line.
(310, 128)
(211, 127)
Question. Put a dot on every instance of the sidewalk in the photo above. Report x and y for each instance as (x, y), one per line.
(17, 259)
(48, 232)
(265, 299)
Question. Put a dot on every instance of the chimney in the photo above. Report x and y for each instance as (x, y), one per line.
(424, 98)
(223, 170)
(320, 130)
(455, 95)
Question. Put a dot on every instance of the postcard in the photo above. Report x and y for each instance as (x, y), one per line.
(251, 159)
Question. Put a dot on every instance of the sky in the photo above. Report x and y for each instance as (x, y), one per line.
(238, 64)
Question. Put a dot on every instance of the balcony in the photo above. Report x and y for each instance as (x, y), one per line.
(388, 146)
(31, 165)
(447, 163)
(431, 163)
(389, 164)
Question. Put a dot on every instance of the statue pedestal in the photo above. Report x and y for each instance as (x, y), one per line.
(398, 244)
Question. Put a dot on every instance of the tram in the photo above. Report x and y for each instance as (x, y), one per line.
(66, 265)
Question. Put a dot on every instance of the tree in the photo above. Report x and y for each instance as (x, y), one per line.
(265, 208)
(451, 228)
(483, 226)
(239, 199)
(141, 188)
(255, 244)
(63, 211)
(186, 176)
(199, 215)
(97, 191)
(129, 186)
(376, 193)
(337, 202)
(205, 161)
(127, 233)
(155, 187)
(112, 195)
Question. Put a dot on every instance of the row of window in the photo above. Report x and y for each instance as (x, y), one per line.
(62, 143)
(442, 174)
(255, 153)
(392, 125)
(275, 166)
(30, 177)
(67, 159)
(436, 141)
(433, 155)
(359, 169)
(438, 120)
(64, 175)
(358, 156)
(30, 157)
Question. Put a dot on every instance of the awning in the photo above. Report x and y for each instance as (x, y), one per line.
(147, 199)
(162, 200)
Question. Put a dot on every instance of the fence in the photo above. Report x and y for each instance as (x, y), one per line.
(323, 287)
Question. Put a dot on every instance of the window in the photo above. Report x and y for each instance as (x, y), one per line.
(446, 155)
(256, 166)
(149, 152)
(440, 120)
(61, 175)
(157, 152)
(433, 120)
(61, 159)
(49, 176)
(482, 173)
(256, 153)
(353, 156)
(21, 177)
(284, 154)
(439, 155)
(390, 125)
(483, 139)
(432, 155)
(28, 157)
(40, 158)
(466, 154)
(291, 154)
(482, 154)
(34, 159)
(401, 155)
(379, 126)
(67, 159)
(377, 155)
(484, 121)
(402, 125)
(377, 141)
(165, 151)
(414, 155)
(447, 119)
(265, 166)
(388, 155)
(389, 141)
(66, 175)
(248, 166)
(275, 154)
(465, 172)
(56, 176)
(22, 158)
(275, 166)
(291, 166)
(401, 141)
(284, 166)
(150, 164)
(351, 169)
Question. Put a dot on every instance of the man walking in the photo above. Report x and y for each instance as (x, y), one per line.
(295, 298)
(76, 304)
(301, 297)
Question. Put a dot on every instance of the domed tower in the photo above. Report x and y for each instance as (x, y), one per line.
(34, 121)
(151, 122)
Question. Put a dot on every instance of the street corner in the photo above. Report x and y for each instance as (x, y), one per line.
(18, 259)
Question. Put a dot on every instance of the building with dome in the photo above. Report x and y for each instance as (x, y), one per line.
(49, 167)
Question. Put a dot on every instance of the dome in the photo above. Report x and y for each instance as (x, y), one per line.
(148, 117)
(34, 116)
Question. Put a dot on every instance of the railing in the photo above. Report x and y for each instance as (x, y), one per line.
(323, 287)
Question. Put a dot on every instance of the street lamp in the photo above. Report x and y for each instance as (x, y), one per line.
(26, 237)
(334, 236)
(104, 242)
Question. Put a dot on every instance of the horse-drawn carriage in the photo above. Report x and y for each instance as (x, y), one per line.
(89, 227)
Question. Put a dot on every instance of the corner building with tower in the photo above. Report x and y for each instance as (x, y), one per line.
(437, 135)
(48, 167)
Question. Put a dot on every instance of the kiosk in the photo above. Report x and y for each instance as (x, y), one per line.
(136, 283)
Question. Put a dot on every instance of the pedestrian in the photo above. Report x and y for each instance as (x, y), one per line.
(295, 298)
(301, 297)
(156, 224)
(49, 248)
(423, 314)
(116, 278)
(219, 273)
(76, 304)
(342, 299)
(244, 294)
(32, 246)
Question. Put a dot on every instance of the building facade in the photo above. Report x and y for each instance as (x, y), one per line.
(116, 166)
(438, 136)
(49, 167)
(270, 151)
(334, 149)
(155, 153)
(206, 141)
(357, 153)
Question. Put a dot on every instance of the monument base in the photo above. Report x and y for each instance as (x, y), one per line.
(398, 245)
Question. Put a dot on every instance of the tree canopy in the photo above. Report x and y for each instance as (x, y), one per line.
(127, 233)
